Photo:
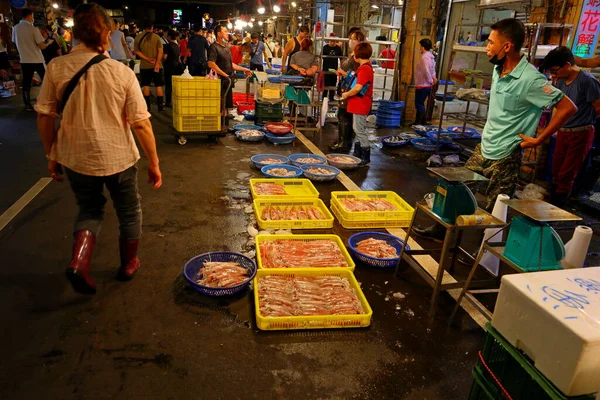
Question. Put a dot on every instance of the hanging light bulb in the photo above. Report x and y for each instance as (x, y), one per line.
(276, 8)
(260, 23)
(250, 24)
(261, 8)
(274, 18)
(293, 4)
(252, 19)
(55, 6)
(229, 26)
(375, 6)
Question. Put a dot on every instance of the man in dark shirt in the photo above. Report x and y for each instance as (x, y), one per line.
(574, 140)
(220, 60)
(331, 58)
(196, 53)
(53, 49)
(171, 64)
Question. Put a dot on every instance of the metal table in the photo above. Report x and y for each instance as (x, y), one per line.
(537, 210)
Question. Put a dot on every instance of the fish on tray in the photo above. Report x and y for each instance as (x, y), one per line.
(343, 159)
(218, 274)
(287, 253)
(250, 132)
(280, 296)
(321, 171)
(394, 139)
(376, 248)
(268, 161)
(280, 172)
(269, 189)
(359, 205)
(278, 213)
(308, 160)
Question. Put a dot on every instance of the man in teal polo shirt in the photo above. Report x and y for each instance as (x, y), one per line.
(518, 96)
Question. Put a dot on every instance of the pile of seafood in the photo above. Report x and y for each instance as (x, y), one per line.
(280, 172)
(376, 248)
(269, 189)
(321, 171)
(361, 205)
(300, 254)
(342, 159)
(267, 161)
(222, 274)
(281, 296)
(277, 213)
(308, 160)
(251, 132)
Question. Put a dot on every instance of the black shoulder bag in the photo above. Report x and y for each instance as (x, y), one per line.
(75, 80)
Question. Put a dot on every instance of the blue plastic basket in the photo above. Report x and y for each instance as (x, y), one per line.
(392, 240)
(291, 78)
(245, 127)
(459, 130)
(390, 105)
(265, 171)
(320, 177)
(257, 159)
(388, 122)
(245, 138)
(249, 115)
(287, 138)
(401, 143)
(423, 129)
(294, 157)
(274, 79)
(424, 144)
(445, 137)
(192, 269)
(273, 72)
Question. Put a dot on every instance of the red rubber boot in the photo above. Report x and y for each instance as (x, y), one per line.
(130, 263)
(78, 272)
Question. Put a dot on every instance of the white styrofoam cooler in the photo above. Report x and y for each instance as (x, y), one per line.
(454, 106)
(554, 317)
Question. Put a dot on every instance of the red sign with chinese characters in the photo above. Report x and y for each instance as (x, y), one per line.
(586, 37)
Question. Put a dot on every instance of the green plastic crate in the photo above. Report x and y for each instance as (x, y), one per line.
(515, 372)
(266, 110)
(481, 389)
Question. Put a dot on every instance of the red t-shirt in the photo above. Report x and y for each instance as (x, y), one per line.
(183, 47)
(236, 54)
(362, 105)
(388, 53)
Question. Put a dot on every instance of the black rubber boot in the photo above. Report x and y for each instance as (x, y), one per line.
(420, 118)
(27, 101)
(160, 103)
(365, 155)
(357, 150)
(343, 145)
(434, 232)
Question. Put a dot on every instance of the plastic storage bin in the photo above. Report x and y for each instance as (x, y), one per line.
(404, 210)
(259, 206)
(294, 188)
(196, 123)
(197, 106)
(267, 110)
(199, 87)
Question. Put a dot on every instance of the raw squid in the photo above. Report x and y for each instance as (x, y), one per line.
(287, 253)
(321, 171)
(376, 248)
(309, 160)
(280, 172)
(222, 274)
(269, 189)
(277, 213)
(357, 205)
(342, 159)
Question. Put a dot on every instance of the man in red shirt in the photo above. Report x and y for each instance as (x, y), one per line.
(236, 52)
(183, 47)
(387, 53)
(360, 100)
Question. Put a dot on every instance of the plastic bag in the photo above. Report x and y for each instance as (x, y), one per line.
(532, 187)
(434, 161)
(212, 75)
(452, 160)
(186, 74)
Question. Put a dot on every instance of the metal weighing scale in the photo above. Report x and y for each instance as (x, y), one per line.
(452, 196)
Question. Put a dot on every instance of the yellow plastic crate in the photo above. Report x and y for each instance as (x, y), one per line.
(259, 206)
(391, 223)
(193, 106)
(312, 321)
(404, 212)
(293, 188)
(196, 123)
(305, 238)
(199, 87)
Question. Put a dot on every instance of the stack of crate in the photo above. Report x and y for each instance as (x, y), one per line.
(196, 104)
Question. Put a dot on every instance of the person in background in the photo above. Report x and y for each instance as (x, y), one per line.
(204, 32)
(210, 37)
(129, 39)
(149, 48)
(518, 96)
(219, 60)
(292, 47)
(345, 130)
(64, 49)
(53, 49)
(197, 53)
(236, 52)
(574, 140)
(30, 43)
(68, 36)
(119, 50)
(269, 48)
(171, 65)
(304, 61)
(332, 53)
(360, 105)
(258, 54)
(94, 144)
(388, 53)
(183, 43)
(162, 34)
(425, 79)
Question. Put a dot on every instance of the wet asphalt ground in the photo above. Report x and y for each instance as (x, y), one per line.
(155, 337)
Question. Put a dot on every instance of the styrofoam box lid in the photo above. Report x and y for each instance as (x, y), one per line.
(571, 296)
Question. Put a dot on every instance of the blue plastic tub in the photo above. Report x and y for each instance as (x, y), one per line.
(401, 143)
(388, 122)
(424, 144)
(249, 115)
(288, 138)
(273, 72)
(423, 129)
(291, 78)
(294, 157)
(274, 79)
(392, 240)
(256, 160)
(193, 268)
(246, 127)
(265, 170)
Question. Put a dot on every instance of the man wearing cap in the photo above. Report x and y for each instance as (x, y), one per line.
(575, 139)
(332, 53)
(518, 96)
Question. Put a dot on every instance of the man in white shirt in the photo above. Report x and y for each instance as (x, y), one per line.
(30, 44)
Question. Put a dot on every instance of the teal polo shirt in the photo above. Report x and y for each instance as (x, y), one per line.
(516, 104)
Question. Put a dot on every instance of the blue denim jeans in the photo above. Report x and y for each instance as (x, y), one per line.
(421, 96)
(123, 189)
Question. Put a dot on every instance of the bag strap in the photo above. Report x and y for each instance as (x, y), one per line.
(75, 80)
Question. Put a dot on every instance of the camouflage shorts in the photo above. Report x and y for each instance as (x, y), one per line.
(503, 175)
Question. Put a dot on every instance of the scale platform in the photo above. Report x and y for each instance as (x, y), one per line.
(540, 211)
(457, 174)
